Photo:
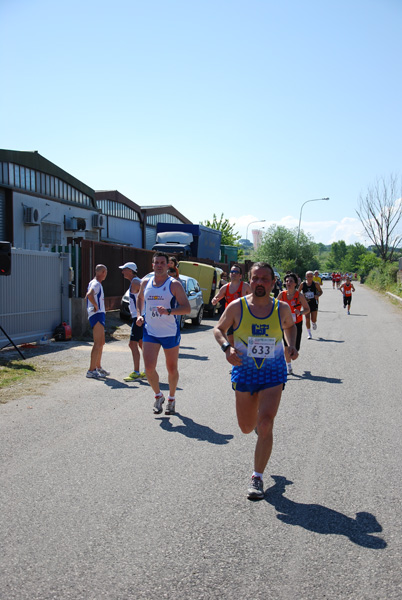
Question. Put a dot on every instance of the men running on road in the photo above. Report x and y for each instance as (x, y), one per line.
(311, 291)
(257, 358)
(163, 299)
(96, 315)
(236, 288)
(129, 271)
(347, 288)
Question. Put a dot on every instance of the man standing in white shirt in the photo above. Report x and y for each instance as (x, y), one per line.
(96, 315)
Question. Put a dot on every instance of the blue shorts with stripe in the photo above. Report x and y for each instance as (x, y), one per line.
(97, 318)
(165, 342)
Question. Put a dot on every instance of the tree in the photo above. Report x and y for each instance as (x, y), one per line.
(279, 247)
(380, 212)
(229, 236)
(367, 263)
(353, 256)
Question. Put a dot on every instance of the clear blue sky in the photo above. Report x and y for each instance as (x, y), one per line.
(249, 107)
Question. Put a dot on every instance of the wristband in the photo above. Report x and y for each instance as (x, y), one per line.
(225, 346)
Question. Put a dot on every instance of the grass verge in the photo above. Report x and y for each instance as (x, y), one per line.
(13, 371)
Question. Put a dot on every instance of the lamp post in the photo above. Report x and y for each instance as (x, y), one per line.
(298, 232)
(251, 222)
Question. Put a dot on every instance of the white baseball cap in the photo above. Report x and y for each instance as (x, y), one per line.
(129, 265)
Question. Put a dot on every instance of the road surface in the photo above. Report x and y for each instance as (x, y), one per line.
(103, 500)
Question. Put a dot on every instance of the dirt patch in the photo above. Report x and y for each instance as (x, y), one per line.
(50, 362)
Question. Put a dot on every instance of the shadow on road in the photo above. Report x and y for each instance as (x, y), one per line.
(308, 375)
(320, 519)
(193, 356)
(194, 430)
(320, 339)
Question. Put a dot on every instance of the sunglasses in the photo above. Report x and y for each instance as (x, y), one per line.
(234, 272)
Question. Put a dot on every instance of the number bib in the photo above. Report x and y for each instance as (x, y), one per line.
(261, 347)
(309, 295)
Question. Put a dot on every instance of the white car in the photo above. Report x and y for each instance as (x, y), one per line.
(194, 295)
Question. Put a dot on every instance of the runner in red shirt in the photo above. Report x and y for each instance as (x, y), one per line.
(347, 288)
(236, 288)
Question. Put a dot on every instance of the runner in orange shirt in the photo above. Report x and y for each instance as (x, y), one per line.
(299, 307)
(347, 288)
(236, 288)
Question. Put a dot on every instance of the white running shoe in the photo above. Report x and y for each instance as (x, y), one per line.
(95, 375)
(171, 407)
(290, 370)
(314, 326)
(158, 404)
(309, 336)
(103, 372)
(256, 489)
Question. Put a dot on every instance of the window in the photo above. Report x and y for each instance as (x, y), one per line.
(8, 171)
(28, 179)
(51, 233)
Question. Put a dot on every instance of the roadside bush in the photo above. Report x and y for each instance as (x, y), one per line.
(383, 278)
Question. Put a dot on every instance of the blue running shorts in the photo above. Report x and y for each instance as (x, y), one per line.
(97, 318)
(165, 342)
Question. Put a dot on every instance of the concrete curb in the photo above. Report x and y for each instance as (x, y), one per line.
(393, 296)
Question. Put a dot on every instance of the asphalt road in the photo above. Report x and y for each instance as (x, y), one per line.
(102, 499)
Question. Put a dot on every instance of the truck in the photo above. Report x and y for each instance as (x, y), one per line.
(197, 241)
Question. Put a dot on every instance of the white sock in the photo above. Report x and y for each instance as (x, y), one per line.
(158, 395)
(171, 398)
(255, 474)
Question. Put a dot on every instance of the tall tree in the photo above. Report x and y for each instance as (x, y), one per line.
(230, 237)
(380, 213)
(279, 247)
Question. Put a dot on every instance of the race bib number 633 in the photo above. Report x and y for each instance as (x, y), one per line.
(261, 347)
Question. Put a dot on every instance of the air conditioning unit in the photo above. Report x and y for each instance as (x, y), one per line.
(98, 221)
(31, 215)
(74, 224)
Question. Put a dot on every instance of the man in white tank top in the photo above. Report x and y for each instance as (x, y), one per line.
(162, 299)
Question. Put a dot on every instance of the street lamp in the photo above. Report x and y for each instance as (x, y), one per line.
(301, 210)
(251, 222)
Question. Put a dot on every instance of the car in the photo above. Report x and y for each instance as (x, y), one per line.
(193, 293)
(326, 276)
(208, 277)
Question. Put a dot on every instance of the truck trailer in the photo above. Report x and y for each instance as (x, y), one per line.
(197, 241)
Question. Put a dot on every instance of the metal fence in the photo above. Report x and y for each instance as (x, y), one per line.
(34, 298)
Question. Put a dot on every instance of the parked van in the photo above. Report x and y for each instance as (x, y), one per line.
(208, 277)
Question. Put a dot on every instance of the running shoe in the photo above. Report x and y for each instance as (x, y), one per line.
(314, 326)
(103, 372)
(158, 404)
(256, 489)
(348, 312)
(290, 370)
(309, 336)
(171, 407)
(95, 375)
(134, 375)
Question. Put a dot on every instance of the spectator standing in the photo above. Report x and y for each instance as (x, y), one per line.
(129, 271)
(97, 318)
